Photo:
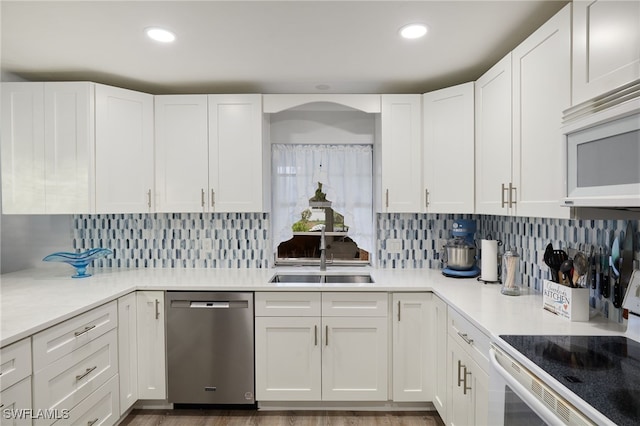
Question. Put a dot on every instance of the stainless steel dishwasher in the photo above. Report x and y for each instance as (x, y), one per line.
(210, 347)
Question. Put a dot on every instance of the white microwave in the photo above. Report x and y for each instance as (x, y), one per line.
(603, 158)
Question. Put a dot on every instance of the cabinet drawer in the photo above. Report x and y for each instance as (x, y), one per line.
(474, 341)
(98, 409)
(355, 305)
(17, 397)
(15, 363)
(67, 381)
(61, 339)
(287, 304)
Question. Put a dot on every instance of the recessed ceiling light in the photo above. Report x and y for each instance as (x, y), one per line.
(323, 87)
(160, 34)
(413, 31)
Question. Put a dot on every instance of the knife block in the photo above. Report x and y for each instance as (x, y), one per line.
(566, 302)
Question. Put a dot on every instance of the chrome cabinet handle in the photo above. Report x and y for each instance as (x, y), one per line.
(315, 335)
(157, 310)
(511, 194)
(460, 367)
(465, 388)
(149, 198)
(465, 337)
(426, 197)
(387, 198)
(326, 335)
(92, 422)
(86, 373)
(399, 311)
(202, 197)
(86, 329)
(213, 198)
(503, 202)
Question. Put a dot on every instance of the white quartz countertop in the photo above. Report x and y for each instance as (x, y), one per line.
(35, 299)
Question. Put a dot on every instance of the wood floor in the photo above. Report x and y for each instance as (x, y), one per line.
(277, 418)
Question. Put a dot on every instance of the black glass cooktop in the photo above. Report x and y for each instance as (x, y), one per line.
(602, 370)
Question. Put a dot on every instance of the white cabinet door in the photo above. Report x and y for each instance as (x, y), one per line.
(439, 357)
(606, 46)
(124, 150)
(493, 138)
(235, 153)
(127, 351)
(413, 375)
(152, 373)
(69, 147)
(288, 359)
(459, 401)
(16, 397)
(541, 91)
(354, 359)
(448, 137)
(401, 158)
(181, 153)
(23, 169)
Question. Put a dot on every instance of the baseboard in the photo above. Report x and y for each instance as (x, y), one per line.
(345, 406)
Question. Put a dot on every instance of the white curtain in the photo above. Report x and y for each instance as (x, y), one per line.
(346, 173)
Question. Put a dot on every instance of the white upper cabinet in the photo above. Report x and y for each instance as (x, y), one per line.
(541, 91)
(606, 46)
(181, 153)
(519, 104)
(47, 148)
(124, 151)
(23, 148)
(448, 137)
(493, 138)
(401, 154)
(235, 153)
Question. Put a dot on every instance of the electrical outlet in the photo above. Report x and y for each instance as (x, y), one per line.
(207, 244)
(394, 246)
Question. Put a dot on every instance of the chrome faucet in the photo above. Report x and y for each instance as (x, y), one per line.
(323, 249)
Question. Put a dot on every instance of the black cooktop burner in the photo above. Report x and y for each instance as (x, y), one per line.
(602, 370)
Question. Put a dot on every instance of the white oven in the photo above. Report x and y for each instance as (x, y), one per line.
(518, 397)
(602, 141)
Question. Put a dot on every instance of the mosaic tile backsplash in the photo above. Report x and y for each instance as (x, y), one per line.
(176, 240)
(241, 240)
(420, 233)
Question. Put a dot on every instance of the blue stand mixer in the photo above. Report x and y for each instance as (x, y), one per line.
(460, 252)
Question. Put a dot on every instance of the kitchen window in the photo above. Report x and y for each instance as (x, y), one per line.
(317, 186)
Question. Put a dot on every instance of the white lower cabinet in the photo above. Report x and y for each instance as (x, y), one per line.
(413, 347)
(16, 397)
(66, 382)
(99, 408)
(467, 365)
(354, 359)
(439, 361)
(288, 359)
(152, 372)
(334, 353)
(468, 404)
(127, 351)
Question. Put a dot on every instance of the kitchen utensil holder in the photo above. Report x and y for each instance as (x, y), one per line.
(566, 302)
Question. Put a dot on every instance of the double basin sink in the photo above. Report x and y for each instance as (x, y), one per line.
(322, 279)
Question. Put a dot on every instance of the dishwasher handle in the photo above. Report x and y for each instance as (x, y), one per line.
(210, 305)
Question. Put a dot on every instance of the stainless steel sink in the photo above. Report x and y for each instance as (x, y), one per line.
(284, 278)
(319, 279)
(348, 279)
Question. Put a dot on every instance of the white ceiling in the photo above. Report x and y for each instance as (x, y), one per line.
(264, 46)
